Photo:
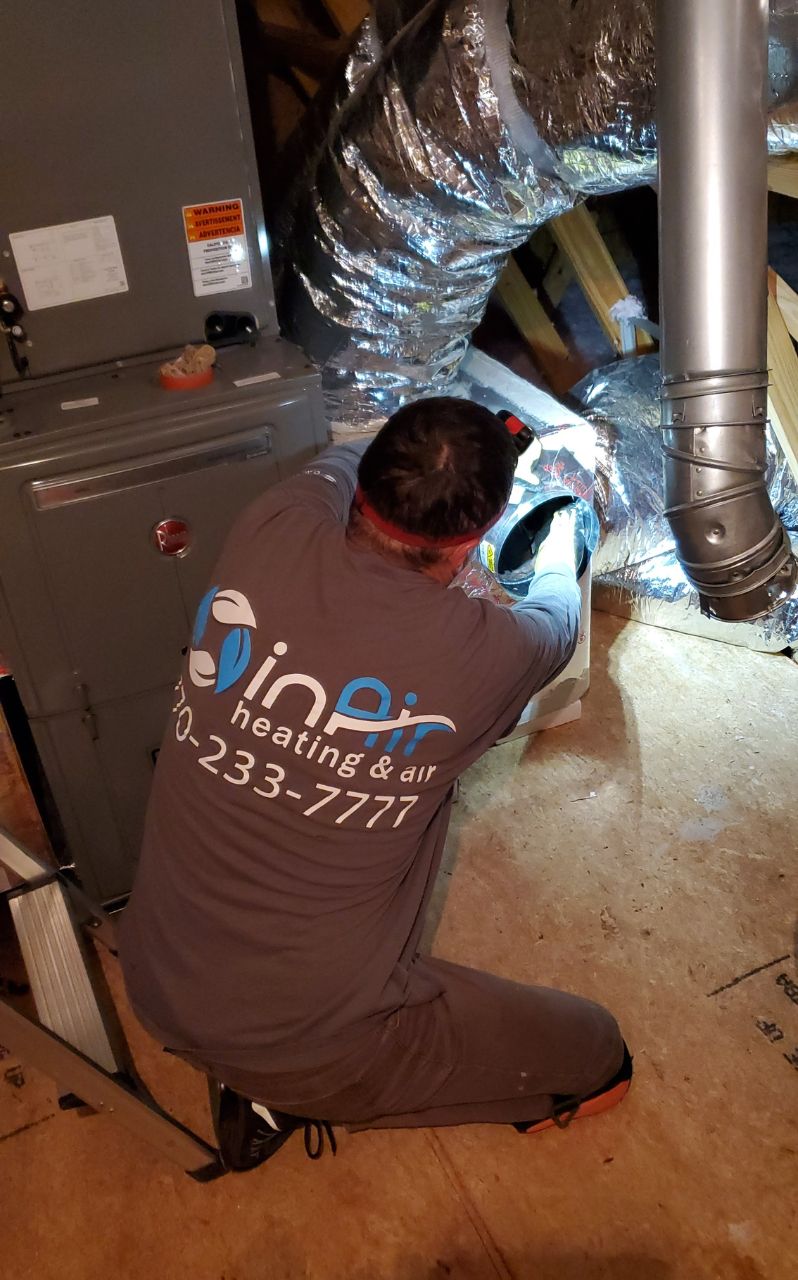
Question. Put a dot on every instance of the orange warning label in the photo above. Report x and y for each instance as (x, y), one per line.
(213, 221)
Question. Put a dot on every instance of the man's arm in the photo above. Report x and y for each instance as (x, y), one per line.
(552, 610)
(522, 648)
(324, 489)
(330, 479)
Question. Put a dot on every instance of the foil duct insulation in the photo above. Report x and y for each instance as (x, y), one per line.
(442, 148)
(635, 570)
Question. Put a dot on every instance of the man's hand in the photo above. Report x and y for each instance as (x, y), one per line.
(559, 549)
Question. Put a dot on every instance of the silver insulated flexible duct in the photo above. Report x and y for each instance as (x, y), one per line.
(443, 146)
(712, 129)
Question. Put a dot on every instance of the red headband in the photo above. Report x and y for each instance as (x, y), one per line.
(408, 539)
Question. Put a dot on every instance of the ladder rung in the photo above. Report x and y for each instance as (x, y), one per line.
(58, 972)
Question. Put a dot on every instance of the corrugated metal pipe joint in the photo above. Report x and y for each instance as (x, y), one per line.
(729, 540)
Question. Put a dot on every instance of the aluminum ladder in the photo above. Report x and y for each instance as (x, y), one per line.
(77, 1037)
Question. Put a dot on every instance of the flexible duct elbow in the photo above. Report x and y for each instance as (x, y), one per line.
(445, 147)
(711, 127)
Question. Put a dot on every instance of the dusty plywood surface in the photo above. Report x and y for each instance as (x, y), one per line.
(677, 877)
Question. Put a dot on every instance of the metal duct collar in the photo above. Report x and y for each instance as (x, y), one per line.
(509, 550)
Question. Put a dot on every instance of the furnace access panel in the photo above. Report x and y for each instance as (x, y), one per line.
(129, 207)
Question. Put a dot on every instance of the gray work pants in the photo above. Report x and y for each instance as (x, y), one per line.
(484, 1051)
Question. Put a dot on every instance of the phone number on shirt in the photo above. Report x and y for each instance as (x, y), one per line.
(240, 766)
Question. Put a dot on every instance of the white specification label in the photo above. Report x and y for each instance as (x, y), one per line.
(217, 247)
(70, 262)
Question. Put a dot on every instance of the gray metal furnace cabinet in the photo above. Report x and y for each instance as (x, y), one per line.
(115, 497)
(124, 126)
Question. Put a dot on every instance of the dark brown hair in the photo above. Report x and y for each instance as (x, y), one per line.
(440, 468)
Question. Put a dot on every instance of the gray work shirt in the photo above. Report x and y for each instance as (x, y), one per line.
(329, 700)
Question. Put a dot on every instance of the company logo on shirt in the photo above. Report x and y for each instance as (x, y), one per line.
(233, 610)
(365, 705)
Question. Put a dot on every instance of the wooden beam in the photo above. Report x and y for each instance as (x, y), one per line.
(783, 395)
(787, 299)
(559, 275)
(281, 14)
(580, 240)
(783, 175)
(301, 50)
(346, 14)
(525, 310)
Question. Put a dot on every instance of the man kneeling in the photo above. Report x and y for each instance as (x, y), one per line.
(334, 692)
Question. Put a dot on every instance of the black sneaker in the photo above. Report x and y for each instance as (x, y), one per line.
(248, 1134)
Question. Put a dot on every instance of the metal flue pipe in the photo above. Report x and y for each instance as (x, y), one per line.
(712, 125)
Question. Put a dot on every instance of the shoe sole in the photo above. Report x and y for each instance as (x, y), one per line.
(590, 1107)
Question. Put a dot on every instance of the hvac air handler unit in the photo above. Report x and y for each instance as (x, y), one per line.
(130, 225)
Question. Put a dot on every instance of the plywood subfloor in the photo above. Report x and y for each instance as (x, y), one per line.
(645, 856)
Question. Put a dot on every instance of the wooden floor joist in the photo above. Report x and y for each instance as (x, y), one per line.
(783, 396)
(579, 238)
(524, 308)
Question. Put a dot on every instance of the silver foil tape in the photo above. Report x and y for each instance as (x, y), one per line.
(635, 570)
(412, 184)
